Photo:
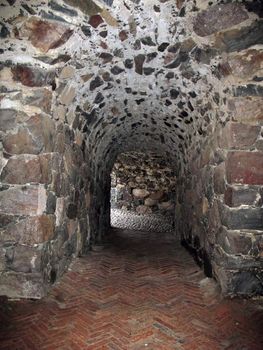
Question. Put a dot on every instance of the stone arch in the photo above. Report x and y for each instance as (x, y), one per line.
(82, 82)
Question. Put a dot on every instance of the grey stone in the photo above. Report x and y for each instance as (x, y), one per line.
(240, 39)
(95, 83)
(235, 242)
(57, 7)
(7, 119)
(244, 218)
(23, 200)
(239, 282)
(89, 7)
(22, 285)
(219, 17)
(31, 76)
(238, 195)
(139, 60)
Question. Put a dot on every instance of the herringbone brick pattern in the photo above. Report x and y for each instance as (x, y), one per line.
(142, 291)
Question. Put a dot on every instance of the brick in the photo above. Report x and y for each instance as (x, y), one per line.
(245, 167)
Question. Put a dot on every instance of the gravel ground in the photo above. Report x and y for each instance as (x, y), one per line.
(150, 222)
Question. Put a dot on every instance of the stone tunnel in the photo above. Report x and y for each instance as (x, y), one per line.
(84, 82)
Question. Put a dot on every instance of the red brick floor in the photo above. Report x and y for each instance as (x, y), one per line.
(142, 291)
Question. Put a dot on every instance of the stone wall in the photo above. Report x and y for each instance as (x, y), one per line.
(81, 82)
(143, 183)
(44, 164)
(219, 209)
(219, 203)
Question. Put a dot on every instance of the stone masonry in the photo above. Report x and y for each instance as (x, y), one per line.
(82, 82)
(143, 183)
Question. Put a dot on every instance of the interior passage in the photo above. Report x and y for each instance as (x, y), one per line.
(165, 96)
(139, 290)
(149, 110)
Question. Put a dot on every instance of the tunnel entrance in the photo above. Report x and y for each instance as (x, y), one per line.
(143, 189)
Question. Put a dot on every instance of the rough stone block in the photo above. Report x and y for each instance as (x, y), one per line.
(238, 195)
(89, 7)
(235, 242)
(60, 182)
(238, 135)
(21, 258)
(27, 168)
(140, 193)
(259, 145)
(258, 244)
(245, 66)
(143, 209)
(45, 35)
(158, 195)
(234, 261)
(36, 136)
(23, 200)
(218, 17)
(32, 76)
(30, 230)
(245, 167)
(241, 38)
(67, 95)
(67, 72)
(243, 218)
(21, 142)
(22, 285)
(7, 119)
(72, 227)
(150, 202)
(247, 109)
(239, 282)
(41, 98)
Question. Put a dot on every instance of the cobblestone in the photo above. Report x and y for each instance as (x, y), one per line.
(150, 222)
